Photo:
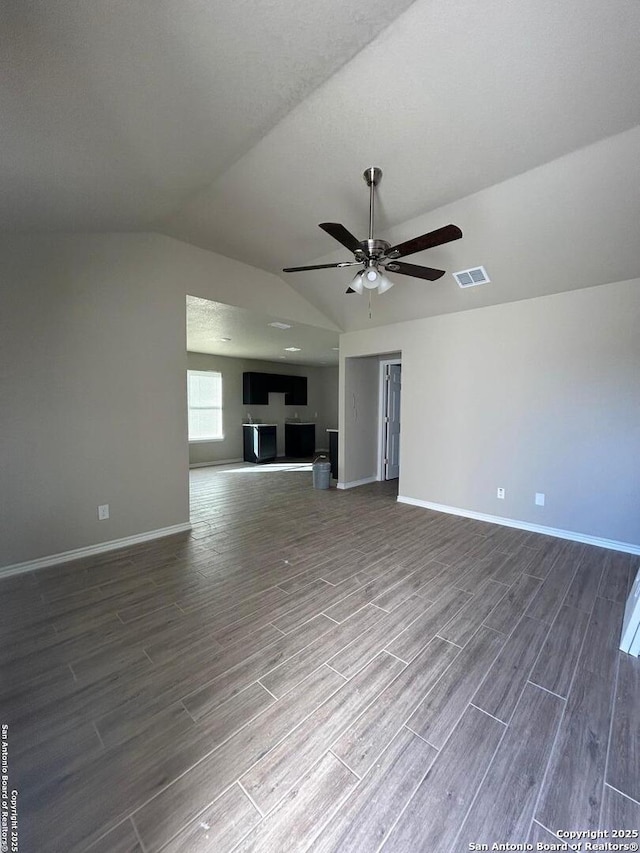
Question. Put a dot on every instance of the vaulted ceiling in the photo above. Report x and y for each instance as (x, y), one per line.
(239, 126)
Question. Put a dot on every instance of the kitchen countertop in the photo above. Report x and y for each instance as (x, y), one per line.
(331, 430)
(259, 425)
(299, 423)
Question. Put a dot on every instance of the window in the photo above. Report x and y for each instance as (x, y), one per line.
(204, 390)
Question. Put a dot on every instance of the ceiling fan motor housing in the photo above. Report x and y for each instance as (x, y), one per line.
(374, 249)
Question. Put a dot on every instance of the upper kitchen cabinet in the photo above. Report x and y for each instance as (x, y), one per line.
(257, 386)
(254, 389)
(298, 391)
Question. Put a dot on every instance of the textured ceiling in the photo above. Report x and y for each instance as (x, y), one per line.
(116, 111)
(239, 126)
(450, 98)
(252, 336)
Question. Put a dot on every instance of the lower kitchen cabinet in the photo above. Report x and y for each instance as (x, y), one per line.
(259, 442)
(299, 440)
(333, 452)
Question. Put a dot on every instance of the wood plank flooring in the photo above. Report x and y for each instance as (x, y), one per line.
(320, 670)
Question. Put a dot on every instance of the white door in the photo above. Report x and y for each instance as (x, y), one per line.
(392, 386)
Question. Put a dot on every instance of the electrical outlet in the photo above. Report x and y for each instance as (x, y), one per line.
(539, 499)
(500, 494)
(103, 512)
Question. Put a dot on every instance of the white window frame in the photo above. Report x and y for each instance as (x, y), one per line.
(206, 373)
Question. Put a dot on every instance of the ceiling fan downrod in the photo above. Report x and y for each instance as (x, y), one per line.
(371, 249)
(372, 176)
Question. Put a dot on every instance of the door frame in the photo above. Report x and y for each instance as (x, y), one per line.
(381, 414)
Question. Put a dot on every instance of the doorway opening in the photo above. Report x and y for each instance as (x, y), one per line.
(389, 420)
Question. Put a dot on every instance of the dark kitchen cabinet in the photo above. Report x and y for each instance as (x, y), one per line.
(259, 442)
(333, 452)
(299, 440)
(298, 391)
(257, 386)
(255, 391)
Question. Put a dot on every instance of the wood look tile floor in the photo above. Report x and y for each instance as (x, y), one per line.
(320, 670)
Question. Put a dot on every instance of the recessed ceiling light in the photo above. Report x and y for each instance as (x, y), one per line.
(293, 349)
(226, 340)
(280, 325)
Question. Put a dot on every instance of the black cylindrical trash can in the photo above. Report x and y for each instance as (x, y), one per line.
(321, 472)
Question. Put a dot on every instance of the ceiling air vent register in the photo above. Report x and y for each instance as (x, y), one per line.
(472, 277)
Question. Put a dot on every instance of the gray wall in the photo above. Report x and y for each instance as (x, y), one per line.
(92, 382)
(541, 395)
(359, 432)
(322, 397)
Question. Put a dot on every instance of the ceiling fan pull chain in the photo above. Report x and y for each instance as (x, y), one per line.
(370, 314)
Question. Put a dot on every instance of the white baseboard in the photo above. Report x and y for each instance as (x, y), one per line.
(218, 462)
(354, 483)
(614, 545)
(92, 550)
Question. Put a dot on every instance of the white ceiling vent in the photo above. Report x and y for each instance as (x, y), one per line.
(472, 277)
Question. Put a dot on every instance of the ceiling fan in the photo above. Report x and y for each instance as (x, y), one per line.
(378, 256)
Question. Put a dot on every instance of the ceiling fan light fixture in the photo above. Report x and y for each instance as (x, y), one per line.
(384, 283)
(356, 284)
(371, 278)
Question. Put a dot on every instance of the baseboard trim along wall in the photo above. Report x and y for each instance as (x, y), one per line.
(217, 462)
(627, 547)
(92, 550)
(354, 483)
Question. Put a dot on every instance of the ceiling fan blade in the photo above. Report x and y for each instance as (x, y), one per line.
(414, 270)
(340, 233)
(322, 266)
(350, 290)
(426, 241)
